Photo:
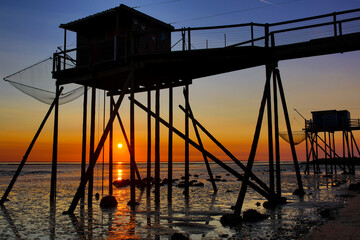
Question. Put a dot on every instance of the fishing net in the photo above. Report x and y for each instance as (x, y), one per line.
(298, 136)
(36, 81)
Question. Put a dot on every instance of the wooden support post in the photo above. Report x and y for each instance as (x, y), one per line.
(317, 153)
(157, 145)
(333, 142)
(132, 138)
(331, 154)
(325, 158)
(94, 157)
(288, 126)
(64, 63)
(23, 161)
(187, 167)
(276, 137)
(170, 145)
(307, 169)
(270, 133)
(83, 147)
(343, 141)
(148, 170)
(92, 145)
(245, 182)
(209, 155)
(111, 143)
(55, 149)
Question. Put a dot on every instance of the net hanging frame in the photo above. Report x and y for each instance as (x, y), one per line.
(33, 85)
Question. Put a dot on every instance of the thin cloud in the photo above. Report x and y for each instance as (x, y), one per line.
(267, 2)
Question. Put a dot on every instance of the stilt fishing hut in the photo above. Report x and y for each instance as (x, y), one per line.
(123, 52)
(320, 141)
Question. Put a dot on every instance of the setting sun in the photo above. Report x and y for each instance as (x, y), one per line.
(119, 145)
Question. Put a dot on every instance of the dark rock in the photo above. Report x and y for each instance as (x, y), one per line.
(179, 236)
(97, 196)
(198, 184)
(230, 220)
(354, 186)
(252, 215)
(258, 204)
(229, 190)
(224, 235)
(108, 202)
(132, 203)
(121, 183)
(218, 177)
(195, 175)
(299, 192)
(228, 174)
(269, 204)
(328, 213)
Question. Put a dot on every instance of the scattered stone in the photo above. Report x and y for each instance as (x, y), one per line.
(252, 215)
(121, 183)
(199, 184)
(108, 202)
(192, 183)
(328, 213)
(299, 192)
(231, 219)
(274, 203)
(354, 186)
(179, 236)
(269, 204)
(132, 203)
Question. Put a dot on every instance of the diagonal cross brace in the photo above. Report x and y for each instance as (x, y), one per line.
(227, 152)
(212, 157)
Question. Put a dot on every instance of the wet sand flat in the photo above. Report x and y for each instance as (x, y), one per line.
(345, 226)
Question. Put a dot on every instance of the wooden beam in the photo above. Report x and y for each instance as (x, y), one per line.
(23, 161)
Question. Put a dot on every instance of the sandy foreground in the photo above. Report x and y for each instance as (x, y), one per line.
(346, 224)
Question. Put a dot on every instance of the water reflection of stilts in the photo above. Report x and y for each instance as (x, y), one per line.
(10, 221)
(52, 220)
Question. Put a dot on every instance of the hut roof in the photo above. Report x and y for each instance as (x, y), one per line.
(105, 17)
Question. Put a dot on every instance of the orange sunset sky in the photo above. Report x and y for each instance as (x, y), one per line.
(227, 104)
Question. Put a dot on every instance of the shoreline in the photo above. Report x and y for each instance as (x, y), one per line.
(344, 226)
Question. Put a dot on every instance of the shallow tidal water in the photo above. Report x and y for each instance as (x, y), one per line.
(28, 214)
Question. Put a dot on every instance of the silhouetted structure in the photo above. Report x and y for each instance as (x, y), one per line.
(124, 52)
(328, 122)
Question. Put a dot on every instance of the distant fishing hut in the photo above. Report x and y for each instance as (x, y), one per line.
(320, 141)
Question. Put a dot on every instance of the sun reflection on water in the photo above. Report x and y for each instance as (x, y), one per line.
(119, 174)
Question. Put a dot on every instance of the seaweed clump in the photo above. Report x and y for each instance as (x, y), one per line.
(252, 215)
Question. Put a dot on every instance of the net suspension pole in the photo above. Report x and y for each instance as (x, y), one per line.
(22, 163)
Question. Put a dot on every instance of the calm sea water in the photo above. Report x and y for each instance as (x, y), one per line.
(28, 214)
